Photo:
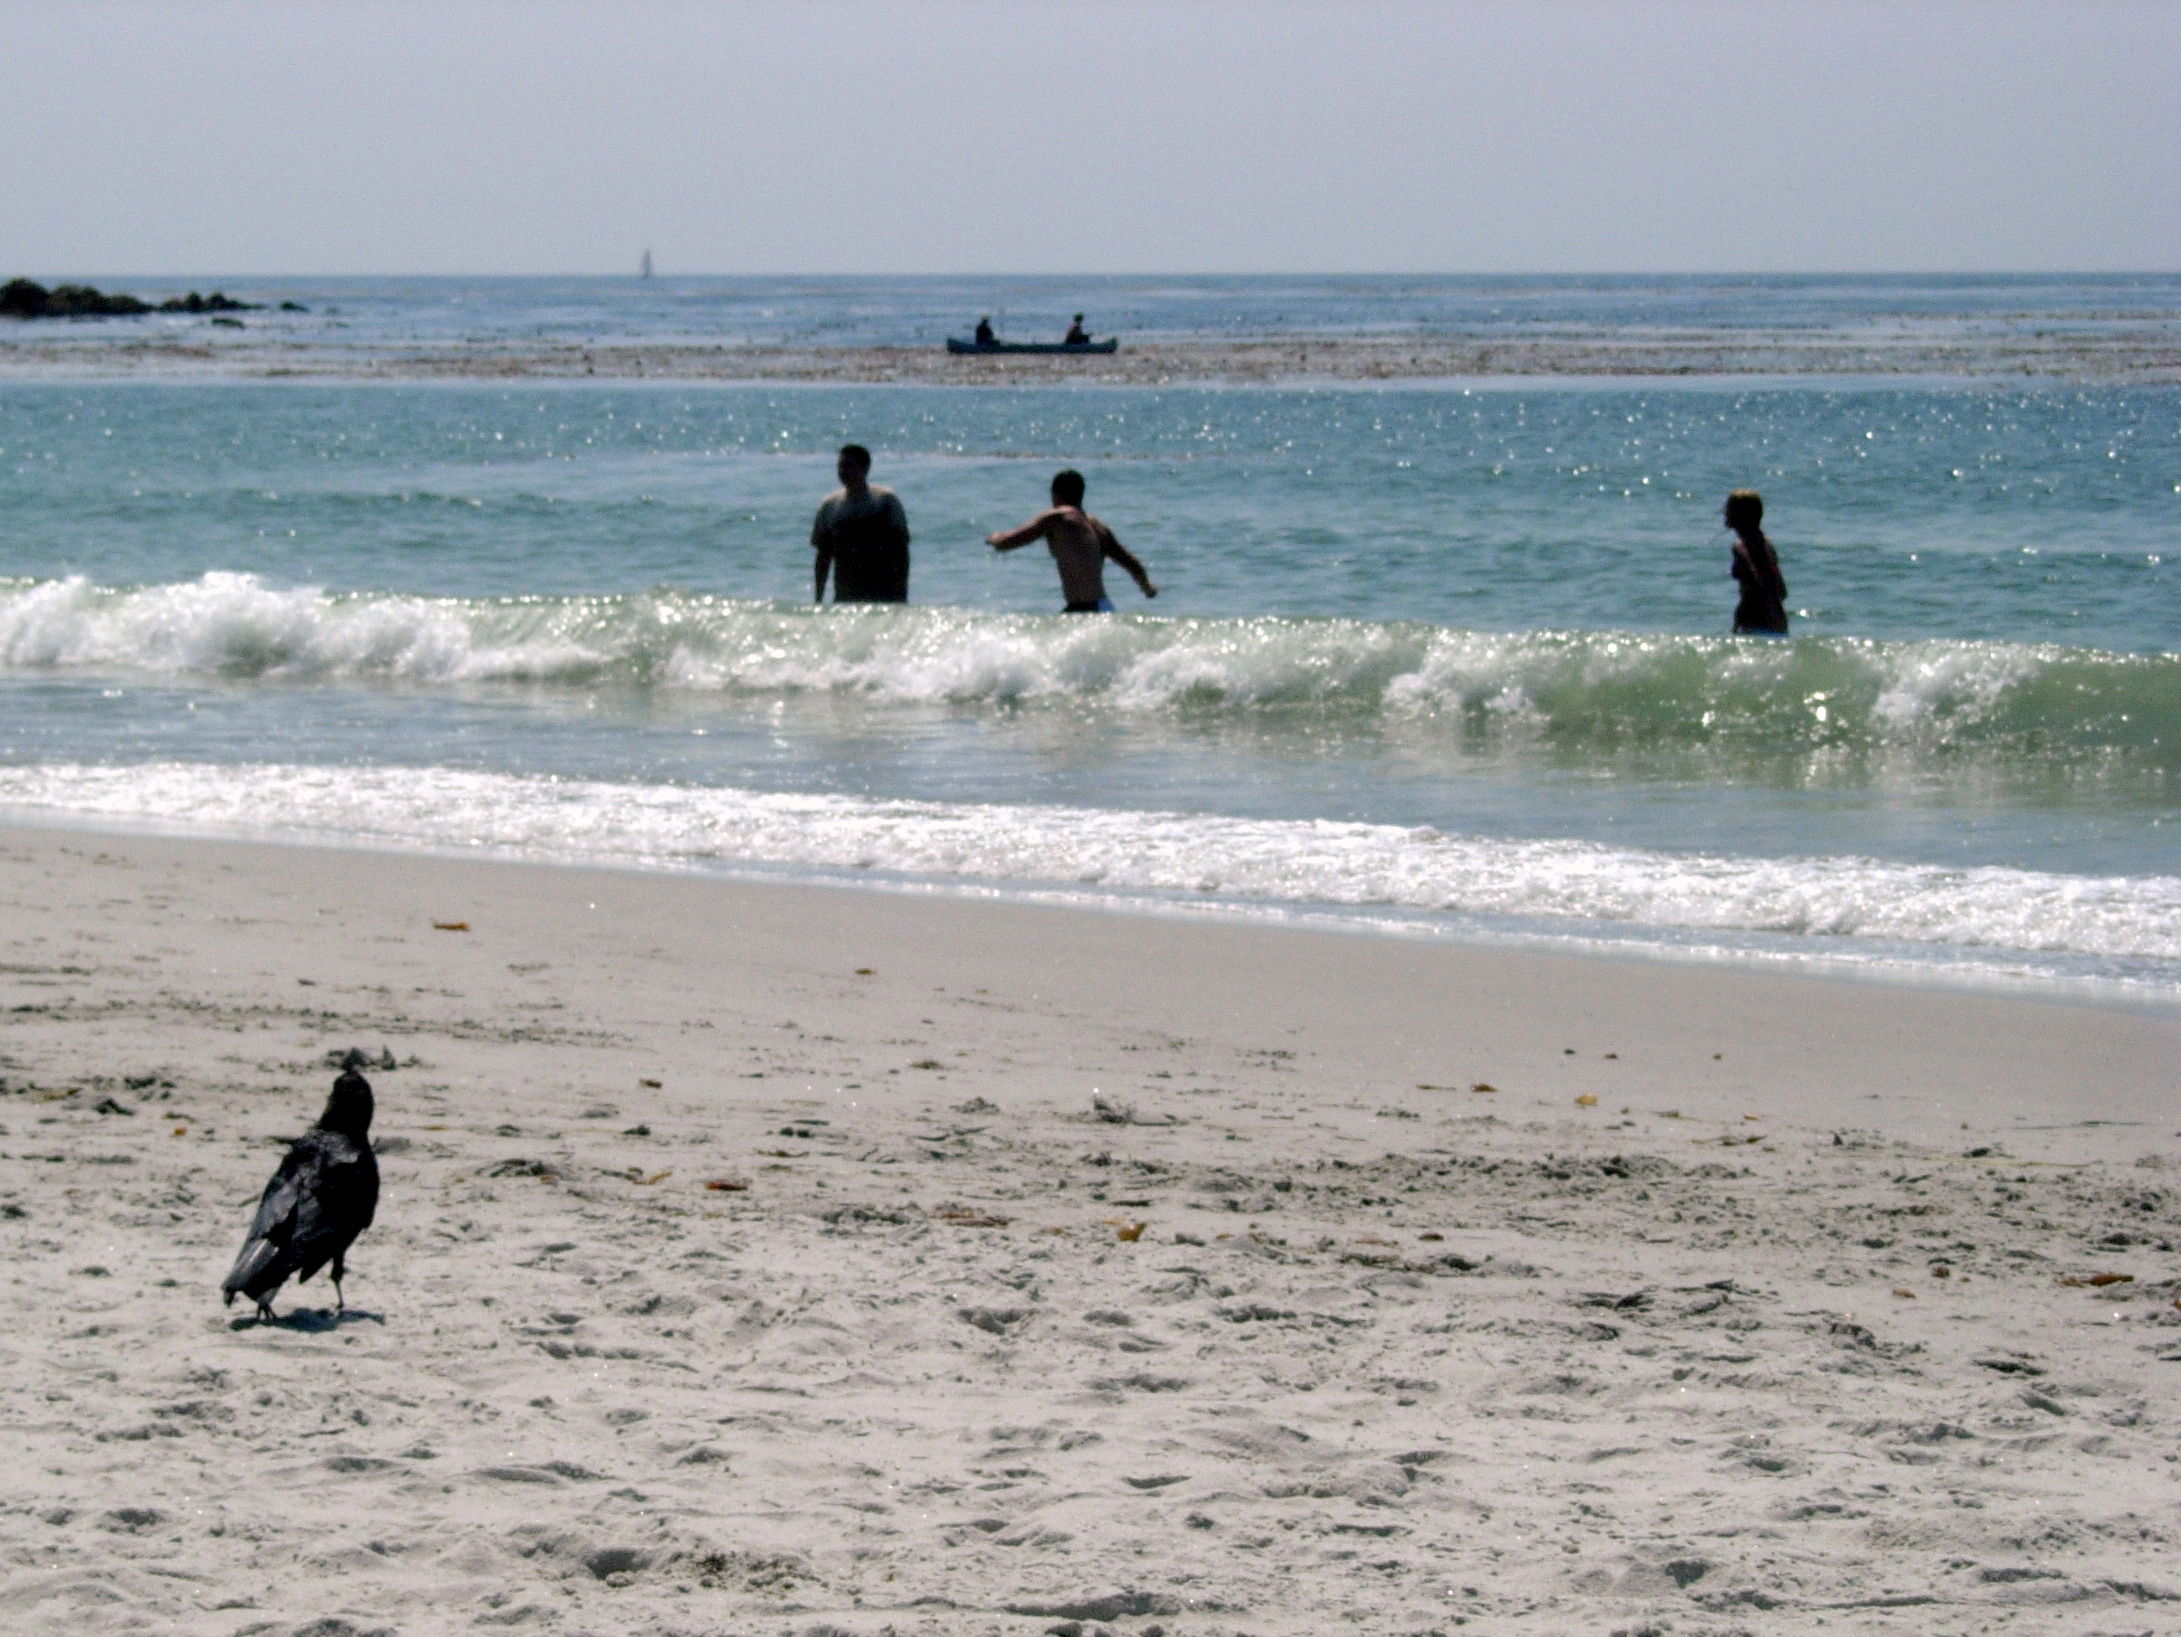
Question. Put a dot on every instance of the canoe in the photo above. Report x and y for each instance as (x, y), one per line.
(957, 345)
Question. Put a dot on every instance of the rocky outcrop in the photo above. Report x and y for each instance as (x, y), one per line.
(213, 303)
(21, 298)
(25, 298)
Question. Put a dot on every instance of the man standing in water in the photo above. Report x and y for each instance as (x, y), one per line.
(1762, 610)
(861, 537)
(1080, 545)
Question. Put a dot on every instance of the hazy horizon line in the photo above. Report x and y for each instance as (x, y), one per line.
(1166, 273)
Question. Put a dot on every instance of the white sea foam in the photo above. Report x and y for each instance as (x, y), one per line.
(1244, 861)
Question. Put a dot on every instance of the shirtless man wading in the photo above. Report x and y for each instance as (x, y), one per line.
(1080, 545)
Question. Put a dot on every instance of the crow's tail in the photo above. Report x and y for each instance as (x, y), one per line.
(256, 1271)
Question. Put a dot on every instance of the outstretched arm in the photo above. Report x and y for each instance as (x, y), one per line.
(1009, 539)
(1127, 559)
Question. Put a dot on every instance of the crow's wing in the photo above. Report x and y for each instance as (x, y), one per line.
(267, 1253)
(337, 1207)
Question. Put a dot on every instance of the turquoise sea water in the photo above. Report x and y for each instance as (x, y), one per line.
(1442, 659)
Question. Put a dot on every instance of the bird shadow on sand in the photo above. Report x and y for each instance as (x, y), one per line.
(309, 1321)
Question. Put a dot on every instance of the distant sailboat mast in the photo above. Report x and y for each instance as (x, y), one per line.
(644, 272)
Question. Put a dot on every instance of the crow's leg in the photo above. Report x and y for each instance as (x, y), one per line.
(340, 1302)
(265, 1310)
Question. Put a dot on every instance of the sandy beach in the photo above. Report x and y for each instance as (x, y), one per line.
(789, 1259)
(2116, 354)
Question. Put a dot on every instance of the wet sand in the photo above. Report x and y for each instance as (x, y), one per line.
(789, 1259)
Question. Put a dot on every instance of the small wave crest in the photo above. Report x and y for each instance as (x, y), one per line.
(1599, 688)
(1840, 900)
(232, 625)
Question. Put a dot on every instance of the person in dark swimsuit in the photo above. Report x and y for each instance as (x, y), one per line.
(862, 536)
(1756, 568)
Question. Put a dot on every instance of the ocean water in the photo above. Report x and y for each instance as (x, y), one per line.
(370, 315)
(1444, 660)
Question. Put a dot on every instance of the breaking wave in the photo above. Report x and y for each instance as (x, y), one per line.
(1600, 688)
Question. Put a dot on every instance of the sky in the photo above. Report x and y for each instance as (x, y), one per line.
(1092, 136)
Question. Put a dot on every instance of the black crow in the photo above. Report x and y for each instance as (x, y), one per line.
(319, 1200)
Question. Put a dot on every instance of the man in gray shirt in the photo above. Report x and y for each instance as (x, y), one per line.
(861, 537)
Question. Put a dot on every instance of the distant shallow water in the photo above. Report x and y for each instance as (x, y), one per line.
(2113, 329)
(849, 311)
